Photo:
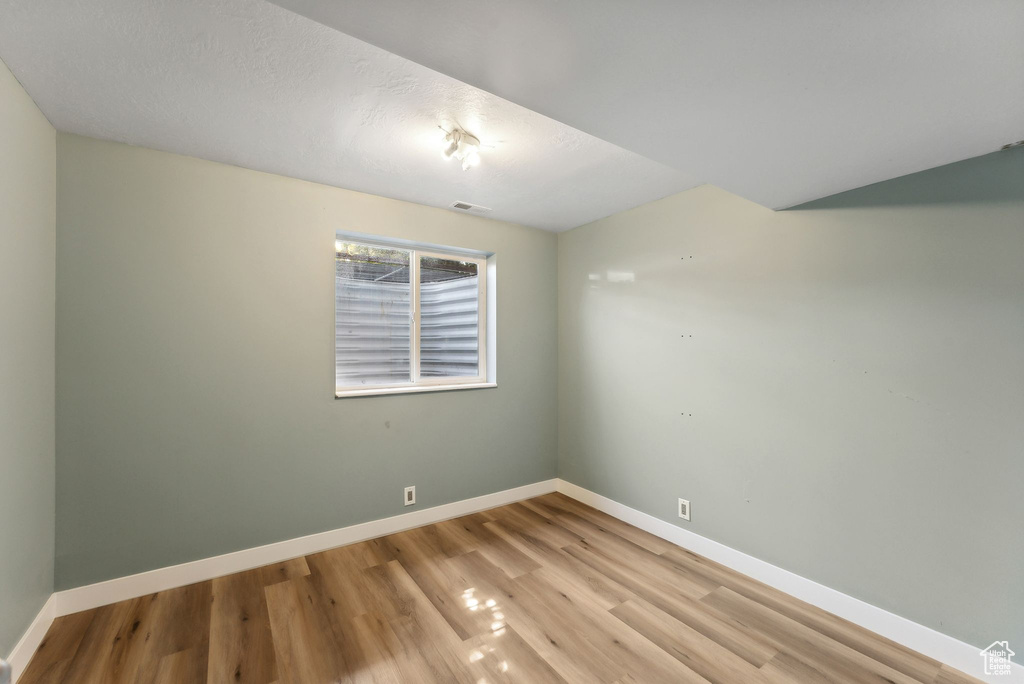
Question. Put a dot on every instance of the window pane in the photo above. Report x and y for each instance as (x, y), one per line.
(372, 324)
(449, 317)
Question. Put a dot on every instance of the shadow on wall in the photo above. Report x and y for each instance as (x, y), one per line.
(995, 177)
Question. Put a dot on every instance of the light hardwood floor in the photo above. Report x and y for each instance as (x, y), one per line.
(546, 590)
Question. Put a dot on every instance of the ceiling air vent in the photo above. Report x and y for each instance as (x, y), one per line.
(469, 208)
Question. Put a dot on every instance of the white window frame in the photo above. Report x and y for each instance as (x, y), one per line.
(485, 272)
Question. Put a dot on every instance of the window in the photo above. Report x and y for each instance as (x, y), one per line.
(407, 319)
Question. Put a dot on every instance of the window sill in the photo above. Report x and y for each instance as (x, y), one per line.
(369, 392)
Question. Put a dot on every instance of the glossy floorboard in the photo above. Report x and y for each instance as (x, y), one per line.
(546, 590)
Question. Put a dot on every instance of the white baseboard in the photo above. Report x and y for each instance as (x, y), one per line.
(925, 640)
(162, 579)
(32, 637)
(941, 647)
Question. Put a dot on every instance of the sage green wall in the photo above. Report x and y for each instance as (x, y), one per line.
(855, 377)
(195, 365)
(28, 182)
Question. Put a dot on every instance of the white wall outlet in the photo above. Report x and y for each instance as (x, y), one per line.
(5, 672)
(684, 509)
(410, 496)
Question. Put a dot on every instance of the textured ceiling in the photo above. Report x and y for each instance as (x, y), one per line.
(248, 83)
(781, 102)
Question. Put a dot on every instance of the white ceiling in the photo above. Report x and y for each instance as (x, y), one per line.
(780, 102)
(248, 83)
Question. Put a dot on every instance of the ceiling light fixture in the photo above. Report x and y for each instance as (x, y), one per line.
(463, 146)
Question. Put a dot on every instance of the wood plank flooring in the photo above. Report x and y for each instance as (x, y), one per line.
(545, 590)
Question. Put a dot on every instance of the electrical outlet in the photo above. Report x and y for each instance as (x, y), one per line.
(684, 509)
(5, 672)
(410, 496)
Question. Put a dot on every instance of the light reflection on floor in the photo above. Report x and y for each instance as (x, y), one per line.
(497, 629)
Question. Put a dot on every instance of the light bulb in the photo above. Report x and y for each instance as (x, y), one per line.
(462, 146)
(471, 160)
